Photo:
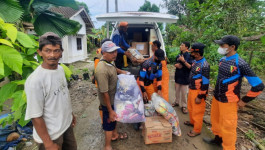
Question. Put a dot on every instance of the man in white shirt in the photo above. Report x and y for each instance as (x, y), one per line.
(48, 100)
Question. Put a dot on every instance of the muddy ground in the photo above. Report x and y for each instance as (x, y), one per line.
(90, 136)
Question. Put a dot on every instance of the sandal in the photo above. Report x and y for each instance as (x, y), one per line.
(187, 123)
(193, 134)
(121, 136)
(184, 110)
(174, 104)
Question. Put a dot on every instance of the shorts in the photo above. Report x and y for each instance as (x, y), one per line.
(107, 125)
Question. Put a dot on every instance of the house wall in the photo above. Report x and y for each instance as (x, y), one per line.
(71, 54)
(79, 19)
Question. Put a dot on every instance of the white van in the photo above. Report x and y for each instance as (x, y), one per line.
(142, 28)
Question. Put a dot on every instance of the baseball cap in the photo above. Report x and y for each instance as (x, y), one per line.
(108, 47)
(49, 36)
(229, 39)
(197, 47)
(160, 54)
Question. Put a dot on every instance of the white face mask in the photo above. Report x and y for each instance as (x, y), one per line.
(223, 51)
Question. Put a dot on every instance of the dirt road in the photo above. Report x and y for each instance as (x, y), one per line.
(90, 136)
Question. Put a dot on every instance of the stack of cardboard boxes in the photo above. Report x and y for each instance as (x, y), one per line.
(142, 47)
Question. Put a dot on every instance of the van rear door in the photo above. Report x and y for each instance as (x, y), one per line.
(137, 17)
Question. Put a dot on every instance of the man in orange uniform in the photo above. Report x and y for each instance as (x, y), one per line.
(165, 76)
(151, 69)
(198, 88)
(226, 98)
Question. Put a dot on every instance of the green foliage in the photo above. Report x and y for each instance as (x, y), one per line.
(147, 6)
(85, 70)
(67, 72)
(82, 4)
(51, 22)
(99, 34)
(172, 53)
(208, 20)
(10, 10)
(37, 12)
(251, 134)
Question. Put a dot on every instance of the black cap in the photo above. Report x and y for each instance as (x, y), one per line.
(197, 47)
(229, 39)
(160, 54)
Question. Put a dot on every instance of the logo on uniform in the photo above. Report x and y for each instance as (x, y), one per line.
(233, 68)
(149, 68)
(198, 69)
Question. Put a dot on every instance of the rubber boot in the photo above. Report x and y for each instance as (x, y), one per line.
(125, 61)
(216, 141)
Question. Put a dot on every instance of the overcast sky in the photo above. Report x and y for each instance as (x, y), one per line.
(97, 7)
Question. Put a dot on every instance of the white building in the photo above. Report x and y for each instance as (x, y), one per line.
(75, 46)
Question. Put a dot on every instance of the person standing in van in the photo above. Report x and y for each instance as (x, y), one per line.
(119, 40)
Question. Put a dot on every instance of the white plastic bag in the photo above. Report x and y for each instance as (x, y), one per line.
(168, 112)
(149, 109)
(128, 101)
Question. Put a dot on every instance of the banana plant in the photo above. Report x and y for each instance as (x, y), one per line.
(37, 12)
(99, 33)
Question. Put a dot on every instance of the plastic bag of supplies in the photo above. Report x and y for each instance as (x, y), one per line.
(128, 101)
(149, 109)
(168, 112)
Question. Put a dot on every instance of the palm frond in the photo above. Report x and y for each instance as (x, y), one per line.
(51, 22)
(64, 3)
(10, 10)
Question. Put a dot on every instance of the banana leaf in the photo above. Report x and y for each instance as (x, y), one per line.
(10, 10)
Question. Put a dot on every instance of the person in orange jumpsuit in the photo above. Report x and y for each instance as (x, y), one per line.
(165, 76)
(227, 98)
(151, 69)
(198, 88)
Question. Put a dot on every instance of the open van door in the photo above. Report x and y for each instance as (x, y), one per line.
(142, 30)
(137, 17)
(141, 18)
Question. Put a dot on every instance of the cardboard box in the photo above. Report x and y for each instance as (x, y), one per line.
(157, 130)
(142, 47)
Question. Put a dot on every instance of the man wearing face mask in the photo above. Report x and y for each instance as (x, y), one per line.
(198, 89)
(227, 98)
(118, 39)
(151, 69)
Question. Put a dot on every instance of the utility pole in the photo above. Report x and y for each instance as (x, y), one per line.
(116, 5)
(107, 3)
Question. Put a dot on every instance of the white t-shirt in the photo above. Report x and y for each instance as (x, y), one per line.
(48, 96)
